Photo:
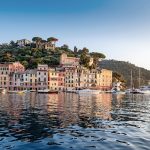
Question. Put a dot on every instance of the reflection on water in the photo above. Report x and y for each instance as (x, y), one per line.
(72, 121)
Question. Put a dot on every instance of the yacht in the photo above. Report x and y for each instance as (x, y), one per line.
(89, 91)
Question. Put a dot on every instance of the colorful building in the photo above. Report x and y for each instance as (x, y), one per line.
(65, 60)
(53, 79)
(30, 80)
(104, 79)
(67, 77)
(61, 78)
(6, 73)
(42, 77)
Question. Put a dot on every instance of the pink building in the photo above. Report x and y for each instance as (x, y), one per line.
(65, 60)
(6, 73)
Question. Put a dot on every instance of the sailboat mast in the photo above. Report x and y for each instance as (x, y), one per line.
(131, 80)
(139, 77)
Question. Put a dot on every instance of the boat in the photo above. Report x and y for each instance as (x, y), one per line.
(115, 91)
(72, 91)
(32, 90)
(53, 91)
(17, 92)
(132, 90)
(47, 91)
(145, 90)
(89, 91)
(118, 92)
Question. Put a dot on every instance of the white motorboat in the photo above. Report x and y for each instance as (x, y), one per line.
(145, 90)
(43, 91)
(47, 91)
(72, 91)
(89, 91)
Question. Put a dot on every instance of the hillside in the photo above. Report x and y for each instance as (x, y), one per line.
(41, 51)
(30, 56)
(124, 68)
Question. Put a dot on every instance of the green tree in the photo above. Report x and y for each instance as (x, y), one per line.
(13, 44)
(25, 63)
(84, 58)
(119, 78)
(37, 40)
(96, 58)
(52, 39)
(8, 57)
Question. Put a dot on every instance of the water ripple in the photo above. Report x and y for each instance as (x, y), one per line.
(69, 121)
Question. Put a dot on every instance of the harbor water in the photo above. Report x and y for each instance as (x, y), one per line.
(68, 121)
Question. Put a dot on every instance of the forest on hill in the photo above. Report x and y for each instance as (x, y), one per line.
(124, 68)
(34, 53)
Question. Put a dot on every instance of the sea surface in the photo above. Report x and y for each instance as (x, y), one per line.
(68, 121)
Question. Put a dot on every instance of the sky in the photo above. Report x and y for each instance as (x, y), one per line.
(118, 28)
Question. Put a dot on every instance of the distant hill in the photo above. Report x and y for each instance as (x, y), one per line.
(124, 68)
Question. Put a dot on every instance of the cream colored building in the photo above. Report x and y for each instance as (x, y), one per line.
(30, 80)
(53, 79)
(42, 76)
(69, 78)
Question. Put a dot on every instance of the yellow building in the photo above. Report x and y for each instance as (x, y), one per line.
(70, 78)
(104, 79)
(53, 79)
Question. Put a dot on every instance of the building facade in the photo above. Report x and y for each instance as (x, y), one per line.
(65, 60)
(6, 73)
(23, 42)
(13, 76)
(53, 75)
(42, 77)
